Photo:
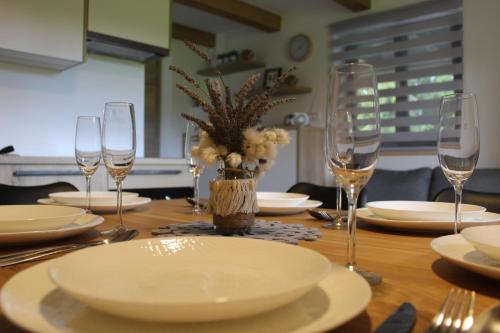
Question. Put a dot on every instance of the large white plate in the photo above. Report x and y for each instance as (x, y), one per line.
(16, 218)
(280, 199)
(140, 201)
(189, 279)
(80, 225)
(97, 197)
(33, 302)
(425, 226)
(457, 250)
(485, 238)
(422, 210)
(275, 210)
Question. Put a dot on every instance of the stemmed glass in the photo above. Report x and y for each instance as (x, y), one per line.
(195, 164)
(353, 140)
(119, 145)
(337, 222)
(88, 148)
(458, 143)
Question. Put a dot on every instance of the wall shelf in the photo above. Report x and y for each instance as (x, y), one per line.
(233, 67)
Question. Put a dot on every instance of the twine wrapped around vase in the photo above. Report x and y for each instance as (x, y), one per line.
(228, 197)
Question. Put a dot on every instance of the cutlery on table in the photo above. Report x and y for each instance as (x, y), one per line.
(320, 215)
(456, 313)
(401, 321)
(192, 202)
(30, 255)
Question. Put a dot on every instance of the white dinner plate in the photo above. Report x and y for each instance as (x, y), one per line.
(189, 279)
(422, 210)
(16, 218)
(280, 199)
(138, 202)
(425, 226)
(486, 239)
(279, 210)
(78, 198)
(457, 250)
(80, 225)
(32, 301)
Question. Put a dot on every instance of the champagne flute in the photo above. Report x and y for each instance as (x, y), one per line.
(88, 149)
(337, 222)
(119, 146)
(458, 143)
(195, 164)
(353, 140)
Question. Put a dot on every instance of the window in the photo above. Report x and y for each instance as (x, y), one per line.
(417, 55)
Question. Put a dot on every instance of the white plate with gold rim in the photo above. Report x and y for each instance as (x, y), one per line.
(280, 210)
(32, 301)
(137, 202)
(78, 198)
(80, 225)
(366, 215)
(280, 199)
(460, 252)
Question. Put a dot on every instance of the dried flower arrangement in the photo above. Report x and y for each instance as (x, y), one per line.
(232, 135)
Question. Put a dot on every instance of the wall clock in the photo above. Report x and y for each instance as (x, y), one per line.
(299, 47)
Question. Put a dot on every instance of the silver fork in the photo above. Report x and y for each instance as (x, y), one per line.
(31, 255)
(456, 313)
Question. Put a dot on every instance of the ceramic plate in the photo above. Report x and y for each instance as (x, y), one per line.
(422, 210)
(486, 239)
(77, 198)
(80, 225)
(33, 302)
(425, 226)
(279, 210)
(189, 279)
(457, 250)
(280, 199)
(16, 218)
(138, 202)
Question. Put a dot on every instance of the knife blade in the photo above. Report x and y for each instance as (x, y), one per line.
(401, 321)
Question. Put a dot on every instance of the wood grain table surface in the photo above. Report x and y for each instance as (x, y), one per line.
(412, 272)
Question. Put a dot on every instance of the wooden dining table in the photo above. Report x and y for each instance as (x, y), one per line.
(411, 271)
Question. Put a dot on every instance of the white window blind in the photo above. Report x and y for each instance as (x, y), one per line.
(417, 54)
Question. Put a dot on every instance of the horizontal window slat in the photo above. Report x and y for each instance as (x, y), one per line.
(438, 38)
(404, 106)
(424, 88)
(429, 25)
(410, 136)
(402, 121)
(431, 71)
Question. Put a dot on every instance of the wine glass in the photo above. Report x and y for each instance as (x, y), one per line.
(337, 222)
(353, 140)
(118, 146)
(458, 143)
(195, 164)
(88, 149)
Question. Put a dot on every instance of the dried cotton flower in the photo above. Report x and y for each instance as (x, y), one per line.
(282, 137)
(234, 160)
(209, 155)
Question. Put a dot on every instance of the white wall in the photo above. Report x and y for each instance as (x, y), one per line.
(38, 108)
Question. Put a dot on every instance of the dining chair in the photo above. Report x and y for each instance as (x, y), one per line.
(27, 195)
(491, 201)
(161, 193)
(325, 194)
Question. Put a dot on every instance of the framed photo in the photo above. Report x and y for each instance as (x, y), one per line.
(270, 76)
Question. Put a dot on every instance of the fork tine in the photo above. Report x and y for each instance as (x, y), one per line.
(448, 321)
(469, 319)
(457, 323)
(438, 319)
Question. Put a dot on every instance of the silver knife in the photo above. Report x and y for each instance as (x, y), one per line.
(401, 321)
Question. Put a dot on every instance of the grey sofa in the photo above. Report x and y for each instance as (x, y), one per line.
(424, 184)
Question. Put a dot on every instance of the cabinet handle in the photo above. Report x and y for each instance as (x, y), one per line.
(154, 172)
(41, 173)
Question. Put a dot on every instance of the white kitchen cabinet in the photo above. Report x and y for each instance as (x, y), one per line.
(48, 33)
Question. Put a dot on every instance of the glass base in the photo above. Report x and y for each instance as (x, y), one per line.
(336, 224)
(112, 232)
(370, 277)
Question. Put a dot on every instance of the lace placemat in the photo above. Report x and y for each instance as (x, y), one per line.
(269, 230)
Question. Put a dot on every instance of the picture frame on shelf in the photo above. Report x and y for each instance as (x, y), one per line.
(270, 76)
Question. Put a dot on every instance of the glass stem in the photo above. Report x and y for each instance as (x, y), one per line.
(119, 203)
(338, 219)
(458, 207)
(87, 181)
(196, 190)
(351, 231)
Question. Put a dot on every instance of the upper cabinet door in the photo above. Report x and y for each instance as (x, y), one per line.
(143, 22)
(48, 33)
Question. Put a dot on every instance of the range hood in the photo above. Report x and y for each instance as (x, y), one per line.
(123, 48)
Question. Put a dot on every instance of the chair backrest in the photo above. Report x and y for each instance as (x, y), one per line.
(491, 201)
(161, 193)
(27, 195)
(326, 194)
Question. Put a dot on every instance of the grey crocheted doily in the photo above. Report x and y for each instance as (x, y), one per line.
(273, 230)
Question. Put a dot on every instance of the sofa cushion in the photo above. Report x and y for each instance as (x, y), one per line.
(399, 185)
(482, 180)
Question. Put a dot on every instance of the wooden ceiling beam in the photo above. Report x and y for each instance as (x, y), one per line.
(355, 5)
(196, 36)
(238, 11)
